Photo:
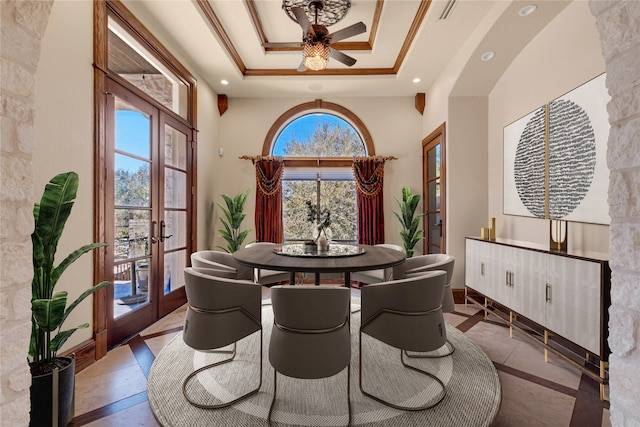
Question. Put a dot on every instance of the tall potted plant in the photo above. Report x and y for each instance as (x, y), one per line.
(409, 221)
(52, 377)
(233, 217)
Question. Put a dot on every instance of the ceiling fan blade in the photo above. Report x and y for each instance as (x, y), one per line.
(339, 56)
(282, 44)
(303, 21)
(350, 31)
(301, 67)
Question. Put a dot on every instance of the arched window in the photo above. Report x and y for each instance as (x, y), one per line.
(318, 134)
(318, 141)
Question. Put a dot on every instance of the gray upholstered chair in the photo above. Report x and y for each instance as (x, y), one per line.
(405, 314)
(223, 262)
(267, 277)
(310, 336)
(220, 312)
(431, 262)
(376, 276)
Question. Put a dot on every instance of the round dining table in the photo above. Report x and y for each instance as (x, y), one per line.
(339, 258)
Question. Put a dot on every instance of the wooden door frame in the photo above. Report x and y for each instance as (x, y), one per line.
(97, 348)
(439, 133)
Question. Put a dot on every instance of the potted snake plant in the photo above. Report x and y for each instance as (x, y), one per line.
(53, 376)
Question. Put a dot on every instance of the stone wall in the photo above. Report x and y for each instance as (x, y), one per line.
(22, 25)
(619, 26)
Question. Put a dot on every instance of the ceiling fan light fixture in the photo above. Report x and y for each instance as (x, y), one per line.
(315, 55)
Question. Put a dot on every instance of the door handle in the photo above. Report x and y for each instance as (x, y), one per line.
(547, 292)
(162, 236)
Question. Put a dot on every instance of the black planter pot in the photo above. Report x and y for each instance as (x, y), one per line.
(47, 397)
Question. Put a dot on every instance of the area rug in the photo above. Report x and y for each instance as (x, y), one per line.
(472, 399)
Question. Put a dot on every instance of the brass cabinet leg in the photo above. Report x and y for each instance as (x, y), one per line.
(510, 324)
(546, 351)
(603, 376)
(485, 307)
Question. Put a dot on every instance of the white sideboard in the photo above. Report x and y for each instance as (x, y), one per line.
(567, 294)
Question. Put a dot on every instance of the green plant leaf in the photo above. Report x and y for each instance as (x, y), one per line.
(241, 236)
(48, 307)
(49, 313)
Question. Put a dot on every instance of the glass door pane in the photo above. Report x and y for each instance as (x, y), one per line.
(132, 208)
(433, 187)
(174, 225)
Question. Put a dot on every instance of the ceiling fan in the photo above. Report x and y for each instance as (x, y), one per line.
(316, 39)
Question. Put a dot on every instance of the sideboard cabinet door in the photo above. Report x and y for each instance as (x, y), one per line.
(573, 300)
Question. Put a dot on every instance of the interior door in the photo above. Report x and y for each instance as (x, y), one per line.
(433, 188)
(148, 159)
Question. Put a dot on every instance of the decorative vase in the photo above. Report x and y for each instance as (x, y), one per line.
(52, 395)
(323, 243)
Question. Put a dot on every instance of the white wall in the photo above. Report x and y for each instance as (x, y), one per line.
(563, 56)
(64, 139)
(394, 125)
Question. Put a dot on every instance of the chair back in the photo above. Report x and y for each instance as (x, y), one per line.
(310, 336)
(406, 313)
(432, 262)
(220, 310)
(223, 261)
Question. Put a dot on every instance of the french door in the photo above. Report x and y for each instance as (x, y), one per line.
(433, 188)
(148, 211)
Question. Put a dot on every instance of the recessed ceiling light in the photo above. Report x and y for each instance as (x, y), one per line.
(488, 56)
(416, 80)
(224, 82)
(315, 87)
(527, 10)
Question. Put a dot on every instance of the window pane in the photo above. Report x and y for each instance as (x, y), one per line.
(133, 62)
(174, 265)
(433, 162)
(132, 183)
(434, 228)
(175, 189)
(175, 147)
(133, 132)
(175, 226)
(295, 194)
(433, 187)
(339, 198)
(319, 135)
(131, 233)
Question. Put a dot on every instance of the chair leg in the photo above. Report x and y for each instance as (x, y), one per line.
(212, 365)
(275, 390)
(393, 405)
(273, 400)
(452, 348)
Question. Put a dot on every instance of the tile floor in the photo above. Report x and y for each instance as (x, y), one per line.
(112, 391)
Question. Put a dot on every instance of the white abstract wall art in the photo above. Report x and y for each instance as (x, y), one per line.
(555, 158)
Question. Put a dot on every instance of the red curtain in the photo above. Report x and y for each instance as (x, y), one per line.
(268, 216)
(368, 173)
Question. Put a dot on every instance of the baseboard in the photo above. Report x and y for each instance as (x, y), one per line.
(85, 354)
